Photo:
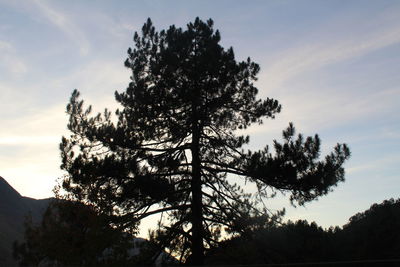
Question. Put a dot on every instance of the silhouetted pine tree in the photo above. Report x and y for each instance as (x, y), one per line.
(174, 142)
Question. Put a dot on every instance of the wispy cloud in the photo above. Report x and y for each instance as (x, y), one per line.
(64, 23)
(312, 105)
(377, 165)
(40, 126)
(328, 49)
(324, 109)
(97, 81)
(10, 62)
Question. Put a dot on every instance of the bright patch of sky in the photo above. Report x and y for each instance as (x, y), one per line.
(333, 65)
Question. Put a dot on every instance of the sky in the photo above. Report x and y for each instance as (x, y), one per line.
(333, 65)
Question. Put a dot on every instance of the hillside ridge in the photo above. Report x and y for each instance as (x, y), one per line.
(13, 210)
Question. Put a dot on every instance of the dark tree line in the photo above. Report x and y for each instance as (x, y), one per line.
(370, 235)
(75, 236)
(374, 233)
(173, 146)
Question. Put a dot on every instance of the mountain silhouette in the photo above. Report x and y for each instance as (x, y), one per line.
(13, 210)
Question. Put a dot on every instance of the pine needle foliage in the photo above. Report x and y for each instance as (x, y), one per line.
(174, 145)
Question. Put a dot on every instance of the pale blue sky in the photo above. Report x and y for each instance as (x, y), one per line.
(333, 65)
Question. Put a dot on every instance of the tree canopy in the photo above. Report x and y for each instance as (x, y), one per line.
(173, 146)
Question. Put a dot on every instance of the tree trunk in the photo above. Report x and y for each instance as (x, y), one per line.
(197, 257)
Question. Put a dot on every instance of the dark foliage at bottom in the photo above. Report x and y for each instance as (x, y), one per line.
(370, 235)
